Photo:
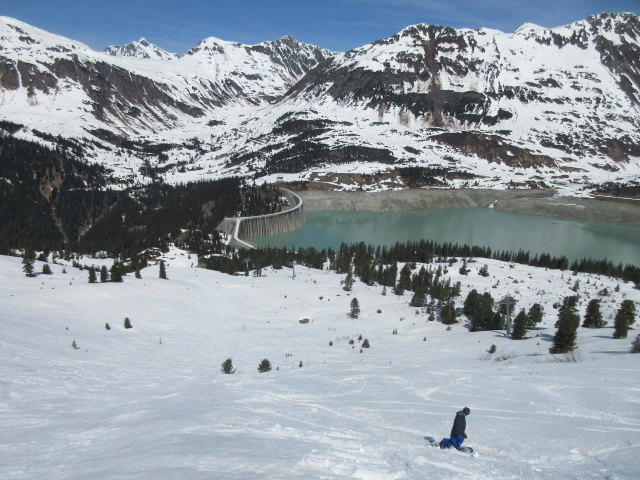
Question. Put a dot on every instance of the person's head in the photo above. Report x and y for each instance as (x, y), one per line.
(466, 410)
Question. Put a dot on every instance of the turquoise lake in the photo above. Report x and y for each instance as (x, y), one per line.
(496, 229)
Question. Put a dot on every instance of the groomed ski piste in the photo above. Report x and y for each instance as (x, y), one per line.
(151, 402)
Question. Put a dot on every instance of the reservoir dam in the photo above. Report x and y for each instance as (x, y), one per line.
(240, 228)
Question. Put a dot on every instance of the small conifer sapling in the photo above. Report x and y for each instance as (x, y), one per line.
(264, 366)
(227, 367)
(355, 308)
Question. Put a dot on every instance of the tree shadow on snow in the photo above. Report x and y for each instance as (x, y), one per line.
(501, 335)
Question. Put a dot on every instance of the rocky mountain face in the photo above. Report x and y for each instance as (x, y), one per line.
(536, 107)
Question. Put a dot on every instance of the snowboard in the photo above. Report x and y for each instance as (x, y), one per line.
(436, 444)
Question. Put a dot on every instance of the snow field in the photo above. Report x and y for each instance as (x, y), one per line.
(151, 402)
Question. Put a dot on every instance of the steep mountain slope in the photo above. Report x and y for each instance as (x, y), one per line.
(538, 107)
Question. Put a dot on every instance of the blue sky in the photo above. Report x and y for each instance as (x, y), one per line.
(178, 25)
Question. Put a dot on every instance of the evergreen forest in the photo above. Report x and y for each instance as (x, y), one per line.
(50, 201)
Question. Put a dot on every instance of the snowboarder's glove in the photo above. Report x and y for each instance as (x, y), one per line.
(464, 435)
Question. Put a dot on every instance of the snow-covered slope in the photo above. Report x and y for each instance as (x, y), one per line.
(151, 402)
(539, 106)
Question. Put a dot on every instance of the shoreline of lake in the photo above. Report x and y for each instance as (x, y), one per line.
(529, 202)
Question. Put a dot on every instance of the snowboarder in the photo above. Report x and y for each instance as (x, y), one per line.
(457, 432)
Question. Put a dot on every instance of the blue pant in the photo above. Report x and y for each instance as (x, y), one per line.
(453, 441)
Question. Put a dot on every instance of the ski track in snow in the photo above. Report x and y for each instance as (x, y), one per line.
(151, 402)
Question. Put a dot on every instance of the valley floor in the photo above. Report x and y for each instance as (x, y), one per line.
(531, 202)
(151, 402)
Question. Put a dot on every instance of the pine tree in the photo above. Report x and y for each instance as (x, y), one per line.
(46, 269)
(519, 326)
(471, 309)
(104, 274)
(355, 308)
(534, 316)
(28, 261)
(479, 309)
(163, 271)
(567, 325)
(264, 366)
(625, 317)
(463, 269)
(404, 280)
(593, 316)
(496, 322)
(347, 283)
(448, 313)
(92, 275)
(127, 323)
(635, 345)
(116, 271)
(137, 274)
(418, 298)
(484, 271)
(227, 367)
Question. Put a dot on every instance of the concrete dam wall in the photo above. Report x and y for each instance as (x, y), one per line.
(240, 228)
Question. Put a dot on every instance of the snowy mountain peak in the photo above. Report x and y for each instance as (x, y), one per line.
(213, 46)
(529, 27)
(140, 49)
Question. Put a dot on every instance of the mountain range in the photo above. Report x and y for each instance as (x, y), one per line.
(537, 107)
